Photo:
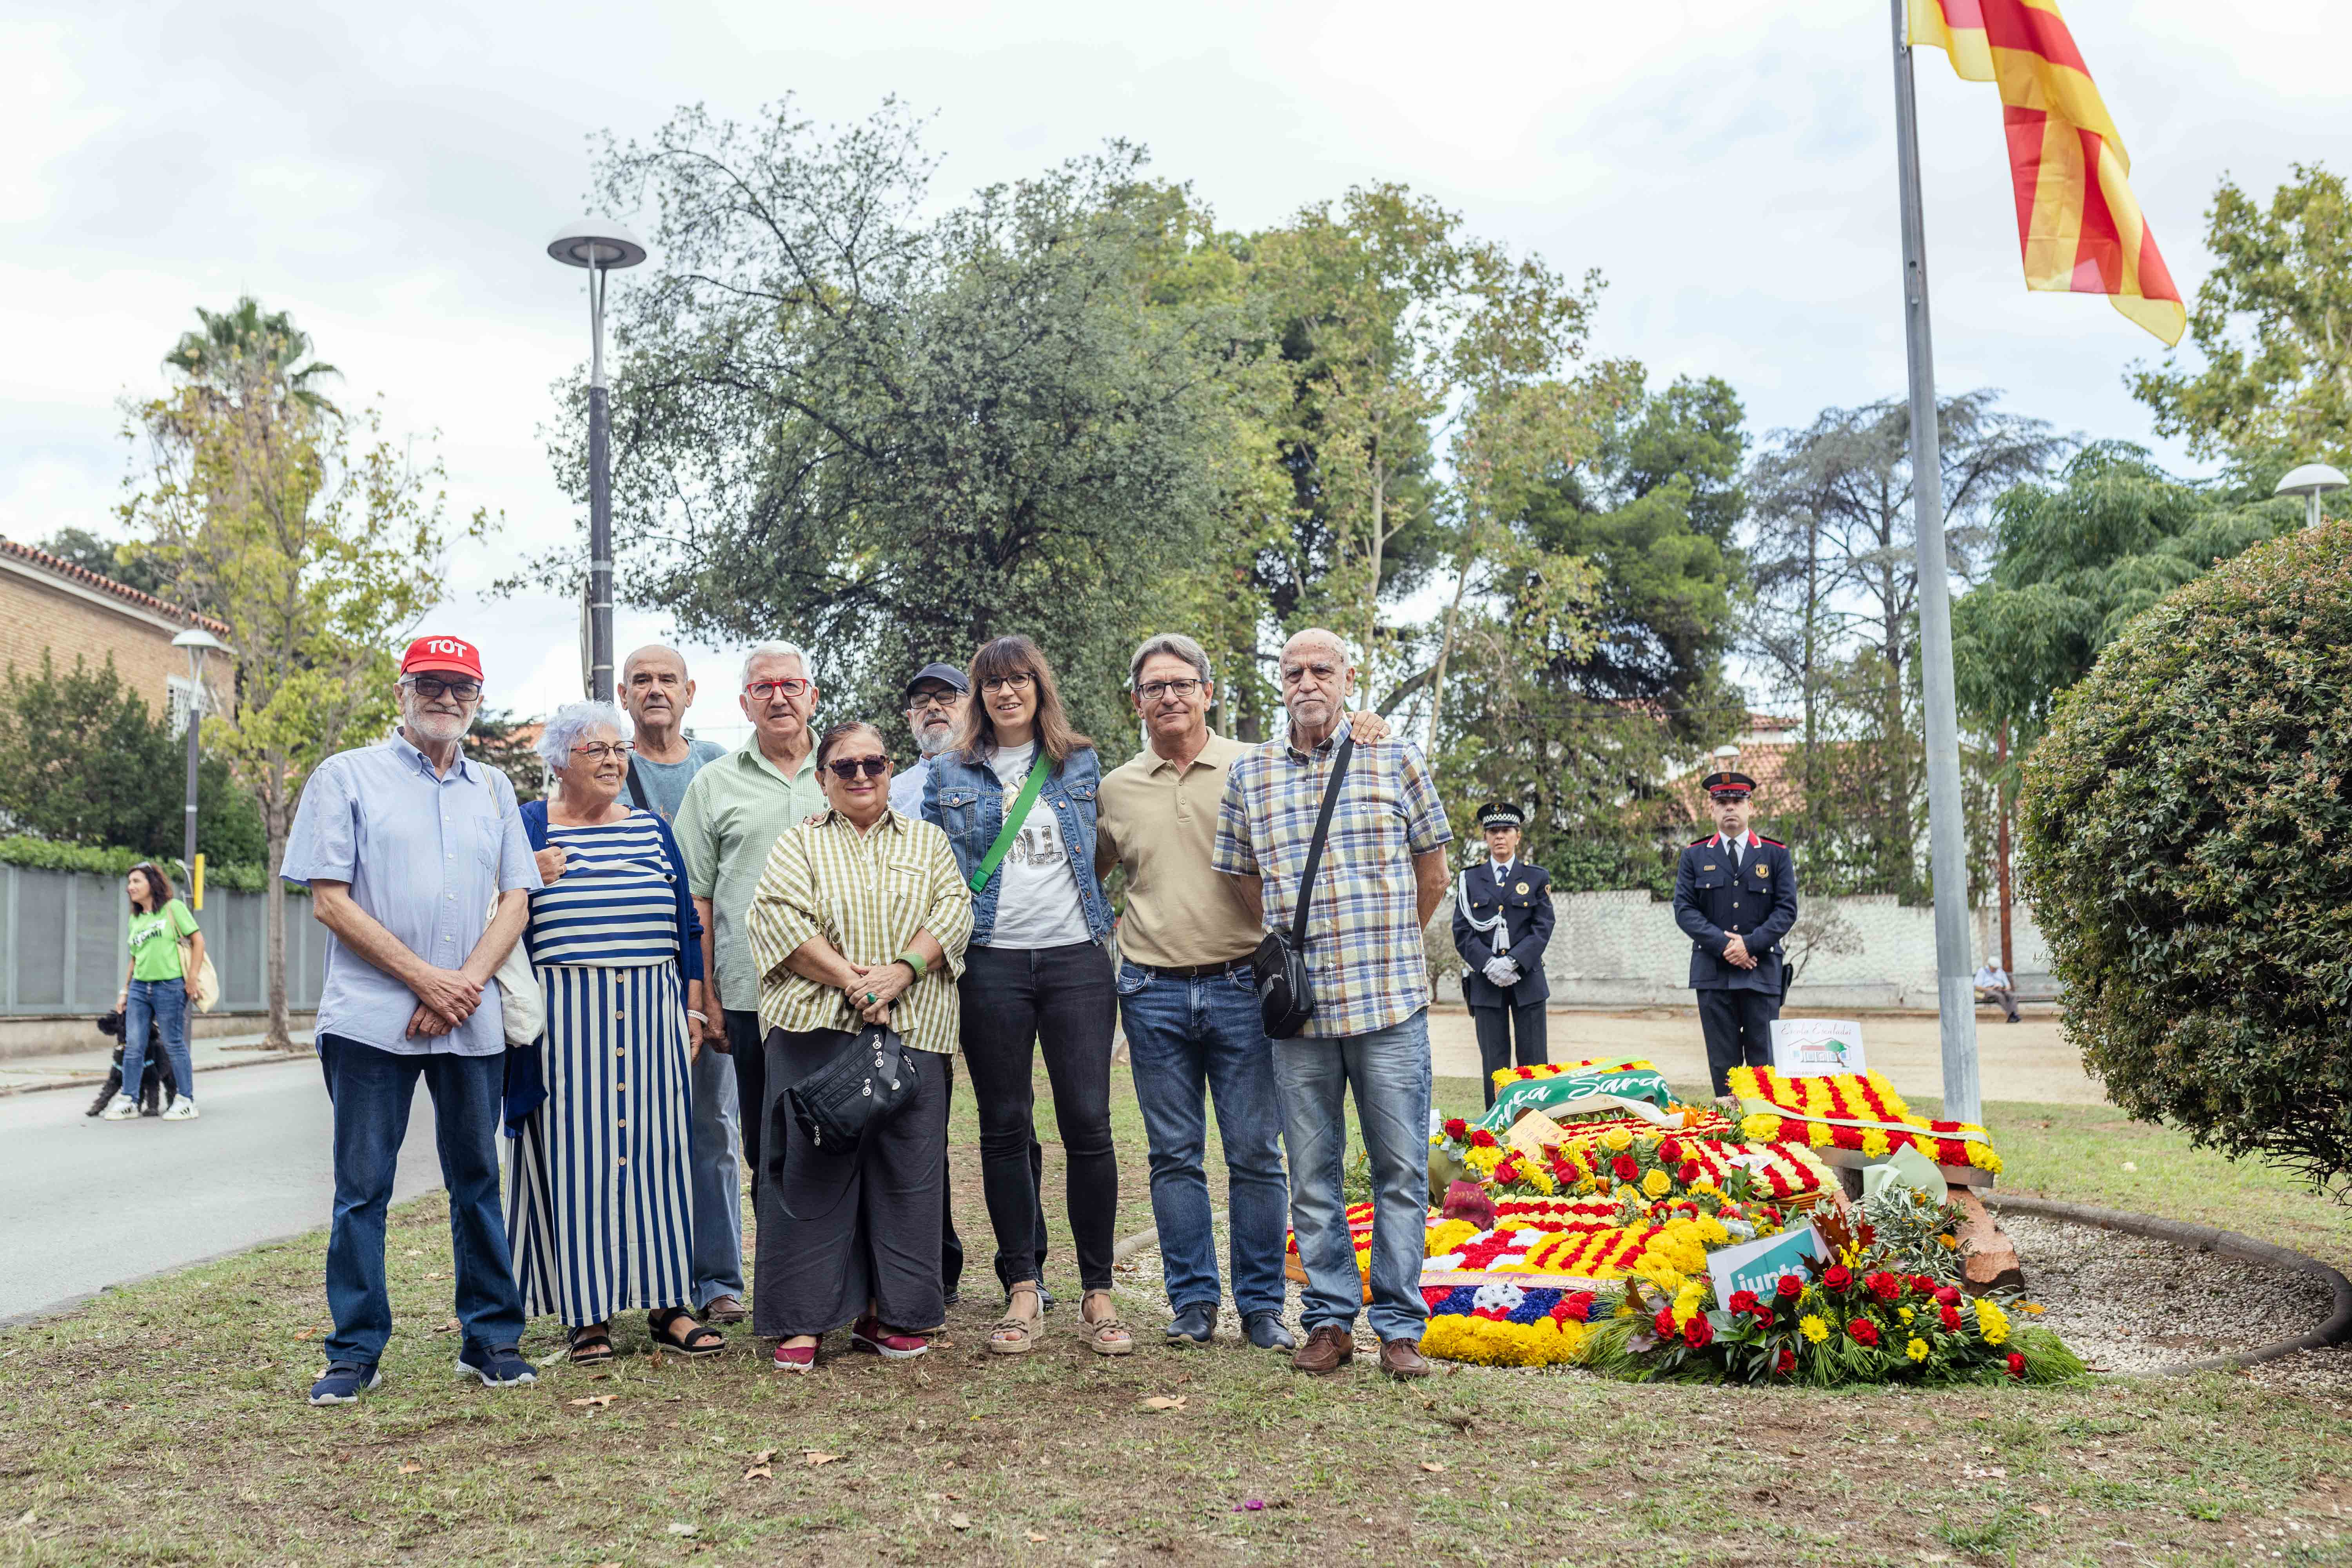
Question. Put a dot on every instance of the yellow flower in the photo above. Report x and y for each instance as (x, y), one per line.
(1761, 1127)
(1874, 1144)
(1657, 1184)
(1905, 1312)
(1617, 1140)
(1991, 1322)
(1917, 1349)
(1817, 1133)
(1814, 1327)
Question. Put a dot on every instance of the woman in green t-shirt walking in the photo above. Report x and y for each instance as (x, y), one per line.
(155, 987)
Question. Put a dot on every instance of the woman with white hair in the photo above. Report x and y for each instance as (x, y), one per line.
(600, 1207)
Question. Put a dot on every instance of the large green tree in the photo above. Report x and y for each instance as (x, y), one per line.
(892, 435)
(2273, 325)
(2076, 560)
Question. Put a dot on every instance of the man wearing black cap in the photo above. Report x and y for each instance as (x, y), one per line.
(936, 699)
(1502, 923)
(1736, 898)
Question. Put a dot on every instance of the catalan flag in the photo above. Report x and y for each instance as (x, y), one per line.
(2077, 221)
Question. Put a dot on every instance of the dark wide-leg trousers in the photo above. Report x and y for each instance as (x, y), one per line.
(1495, 1027)
(839, 1230)
(1737, 1026)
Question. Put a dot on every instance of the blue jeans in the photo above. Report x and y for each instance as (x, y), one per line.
(1187, 1038)
(166, 1002)
(372, 1091)
(717, 1180)
(1388, 1070)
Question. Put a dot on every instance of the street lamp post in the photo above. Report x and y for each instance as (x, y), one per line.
(599, 244)
(2310, 481)
(198, 642)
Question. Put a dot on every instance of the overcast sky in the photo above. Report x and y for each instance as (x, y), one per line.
(391, 175)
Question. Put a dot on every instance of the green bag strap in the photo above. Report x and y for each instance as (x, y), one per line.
(1012, 821)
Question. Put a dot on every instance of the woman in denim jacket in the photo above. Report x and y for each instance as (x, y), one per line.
(1035, 972)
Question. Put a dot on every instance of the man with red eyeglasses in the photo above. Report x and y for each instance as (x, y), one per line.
(735, 810)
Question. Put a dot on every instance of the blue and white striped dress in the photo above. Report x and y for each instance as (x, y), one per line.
(601, 1212)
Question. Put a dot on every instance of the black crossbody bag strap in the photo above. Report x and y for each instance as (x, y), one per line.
(1322, 832)
(636, 789)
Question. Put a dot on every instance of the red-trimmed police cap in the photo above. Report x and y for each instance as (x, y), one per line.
(1728, 785)
(442, 656)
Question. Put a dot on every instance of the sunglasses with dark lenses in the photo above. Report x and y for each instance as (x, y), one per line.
(432, 688)
(850, 767)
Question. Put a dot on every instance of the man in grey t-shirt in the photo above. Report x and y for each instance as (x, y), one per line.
(657, 692)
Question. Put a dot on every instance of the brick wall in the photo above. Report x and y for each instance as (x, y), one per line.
(35, 614)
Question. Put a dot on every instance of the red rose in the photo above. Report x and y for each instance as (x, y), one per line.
(1669, 1151)
(1742, 1302)
(1951, 1316)
(1625, 1168)
(1949, 1295)
(1482, 1139)
(1838, 1276)
(1664, 1322)
(1576, 1304)
(1457, 1128)
(1886, 1287)
(1689, 1173)
(2016, 1364)
(1863, 1331)
(1698, 1333)
(1763, 1312)
(1784, 1363)
(1790, 1288)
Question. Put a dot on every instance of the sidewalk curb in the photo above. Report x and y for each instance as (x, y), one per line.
(93, 1079)
(2208, 1238)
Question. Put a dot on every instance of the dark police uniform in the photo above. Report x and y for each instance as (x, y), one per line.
(1519, 898)
(1750, 890)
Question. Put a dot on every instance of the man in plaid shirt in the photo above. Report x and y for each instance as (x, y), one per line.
(1382, 875)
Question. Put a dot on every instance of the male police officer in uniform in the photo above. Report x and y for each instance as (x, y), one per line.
(1502, 923)
(1736, 896)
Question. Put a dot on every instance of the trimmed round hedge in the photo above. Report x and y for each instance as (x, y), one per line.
(2188, 853)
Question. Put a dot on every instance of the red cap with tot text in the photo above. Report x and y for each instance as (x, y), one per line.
(444, 655)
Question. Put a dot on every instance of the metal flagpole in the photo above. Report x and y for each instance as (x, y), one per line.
(1948, 839)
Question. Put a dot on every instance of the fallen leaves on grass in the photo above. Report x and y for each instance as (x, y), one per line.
(815, 1459)
(959, 1522)
(450, 1327)
(1163, 1402)
(1434, 1466)
(680, 1527)
(1037, 1539)
(550, 1358)
(410, 1467)
(593, 1401)
(761, 1469)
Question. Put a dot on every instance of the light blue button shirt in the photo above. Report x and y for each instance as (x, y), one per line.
(427, 857)
(906, 789)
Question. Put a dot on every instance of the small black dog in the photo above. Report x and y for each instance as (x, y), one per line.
(155, 1083)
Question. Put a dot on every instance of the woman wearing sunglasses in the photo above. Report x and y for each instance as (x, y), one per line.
(860, 918)
(1036, 975)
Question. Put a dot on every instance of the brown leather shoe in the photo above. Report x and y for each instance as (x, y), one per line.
(1328, 1348)
(1402, 1358)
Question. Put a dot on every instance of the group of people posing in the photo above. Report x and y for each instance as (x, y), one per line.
(627, 979)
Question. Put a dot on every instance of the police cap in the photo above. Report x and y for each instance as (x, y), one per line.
(1728, 784)
(1499, 814)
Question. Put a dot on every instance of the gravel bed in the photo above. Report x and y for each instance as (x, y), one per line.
(2128, 1305)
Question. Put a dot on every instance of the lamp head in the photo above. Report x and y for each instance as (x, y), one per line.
(195, 639)
(597, 242)
(2310, 480)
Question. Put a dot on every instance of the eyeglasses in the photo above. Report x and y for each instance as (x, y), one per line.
(944, 702)
(849, 768)
(1292, 674)
(1021, 682)
(1153, 691)
(766, 690)
(432, 688)
(597, 750)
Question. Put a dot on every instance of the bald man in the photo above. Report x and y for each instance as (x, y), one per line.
(657, 692)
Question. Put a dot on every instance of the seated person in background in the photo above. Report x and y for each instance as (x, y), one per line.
(1993, 986)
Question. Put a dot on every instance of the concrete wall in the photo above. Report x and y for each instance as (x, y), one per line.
(1624, 950)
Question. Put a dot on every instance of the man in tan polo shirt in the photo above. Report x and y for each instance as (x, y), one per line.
(1188, 999)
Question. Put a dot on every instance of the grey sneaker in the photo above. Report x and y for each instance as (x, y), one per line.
(124, 1109)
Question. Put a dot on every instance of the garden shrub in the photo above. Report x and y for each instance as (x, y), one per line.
(2188, 853)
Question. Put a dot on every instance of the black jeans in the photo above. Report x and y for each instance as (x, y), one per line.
(1495, 1026)
(747, 1043)
(1065, 1001)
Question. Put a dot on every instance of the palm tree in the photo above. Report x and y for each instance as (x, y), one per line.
(241, 347)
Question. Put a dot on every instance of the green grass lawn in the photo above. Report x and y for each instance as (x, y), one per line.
(164, 1423)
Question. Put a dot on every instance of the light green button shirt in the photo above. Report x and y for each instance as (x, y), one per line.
(735, 810)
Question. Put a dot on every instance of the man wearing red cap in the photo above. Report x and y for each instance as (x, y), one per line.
(419, 868)
(1735, 898)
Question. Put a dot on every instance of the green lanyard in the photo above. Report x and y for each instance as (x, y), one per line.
(1012, 821)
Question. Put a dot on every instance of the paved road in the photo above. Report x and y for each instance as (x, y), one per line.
(85, 1203)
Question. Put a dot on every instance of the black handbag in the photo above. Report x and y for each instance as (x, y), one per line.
(868, 1080)
(1285, 997)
